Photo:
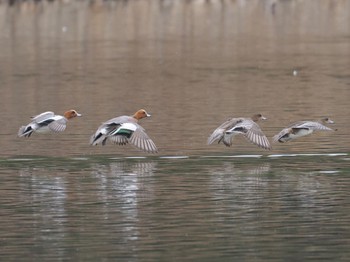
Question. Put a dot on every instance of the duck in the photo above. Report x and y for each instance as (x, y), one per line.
(123, 130)
(247, 127)
(47, 122)
(302, 128)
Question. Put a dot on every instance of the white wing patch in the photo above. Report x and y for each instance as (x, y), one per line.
(129, 126)
(43, 116)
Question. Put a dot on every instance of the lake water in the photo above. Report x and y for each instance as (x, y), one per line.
(192, 65)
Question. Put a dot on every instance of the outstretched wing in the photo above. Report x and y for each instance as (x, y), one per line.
(311, 125)
(104, 130)
(43, 117)
(252, 132)
(120, 134)
(141, 140)
(59, 124)
(219, 133)
(281, 134)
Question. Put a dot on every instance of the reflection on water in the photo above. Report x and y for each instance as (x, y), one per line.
(229, 168)
(191, 64)
(124, 182)
(191, 208)
(53, 205)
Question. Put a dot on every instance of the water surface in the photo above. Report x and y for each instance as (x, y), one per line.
(199, 208)
(192, 65)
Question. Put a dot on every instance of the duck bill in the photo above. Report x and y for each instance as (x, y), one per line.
(148, 115)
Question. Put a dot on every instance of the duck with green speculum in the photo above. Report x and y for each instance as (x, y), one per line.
(123, 130)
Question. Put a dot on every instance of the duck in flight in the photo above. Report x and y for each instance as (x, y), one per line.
(47, 122)
(302, 128)
(247, 127)
(123, 130)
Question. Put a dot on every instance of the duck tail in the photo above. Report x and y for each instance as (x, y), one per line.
(213, 137)
(280, 139)
(25, 131)
(276, 139)
(98, 138)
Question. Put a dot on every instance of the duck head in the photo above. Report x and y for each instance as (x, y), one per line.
(258, 117)
(71, 114)
(141, 114)
(327, 120)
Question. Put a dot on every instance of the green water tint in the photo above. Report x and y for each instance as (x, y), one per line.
(192, 65)
(332, 162)
(199, 207)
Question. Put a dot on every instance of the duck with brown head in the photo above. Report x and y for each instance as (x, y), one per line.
(123, 130)
(247, 127)
(141, 114)
(47, 122)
